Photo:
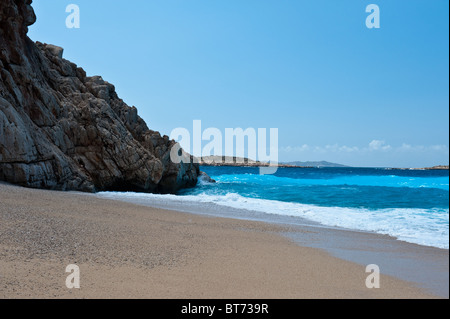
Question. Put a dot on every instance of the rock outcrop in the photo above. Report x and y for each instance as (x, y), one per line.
(60, 129)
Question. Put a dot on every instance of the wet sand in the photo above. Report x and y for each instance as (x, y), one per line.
(129, 251)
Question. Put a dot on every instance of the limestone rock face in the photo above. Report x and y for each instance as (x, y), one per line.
(60, 129)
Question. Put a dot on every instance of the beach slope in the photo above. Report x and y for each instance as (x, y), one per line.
(129, 251)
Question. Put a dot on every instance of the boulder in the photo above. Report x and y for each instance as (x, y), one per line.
(55, 50)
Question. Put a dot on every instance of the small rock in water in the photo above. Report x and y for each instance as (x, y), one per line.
(205, 178)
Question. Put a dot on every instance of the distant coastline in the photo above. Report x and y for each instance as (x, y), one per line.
(246, 162)
(438, 167)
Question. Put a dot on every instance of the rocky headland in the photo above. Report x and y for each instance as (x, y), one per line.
(61, 129)
(439, 167)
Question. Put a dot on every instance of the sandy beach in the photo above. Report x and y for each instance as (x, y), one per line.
(129, 251)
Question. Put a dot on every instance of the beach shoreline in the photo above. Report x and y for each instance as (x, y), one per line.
(425, 266)
(131, 251)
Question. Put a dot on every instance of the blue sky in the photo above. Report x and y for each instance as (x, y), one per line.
(336, 90)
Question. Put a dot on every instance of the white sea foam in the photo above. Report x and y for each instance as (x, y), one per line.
(429, 227)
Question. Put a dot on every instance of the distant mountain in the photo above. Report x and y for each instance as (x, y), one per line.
(315, 164)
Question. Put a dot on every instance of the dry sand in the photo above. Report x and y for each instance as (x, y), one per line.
(129, 251)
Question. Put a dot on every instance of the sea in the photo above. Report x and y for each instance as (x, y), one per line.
(409, 205)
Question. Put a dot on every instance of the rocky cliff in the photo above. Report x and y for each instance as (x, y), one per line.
(60, 129)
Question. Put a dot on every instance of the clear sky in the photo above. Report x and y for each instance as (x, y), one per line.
(336, 90)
